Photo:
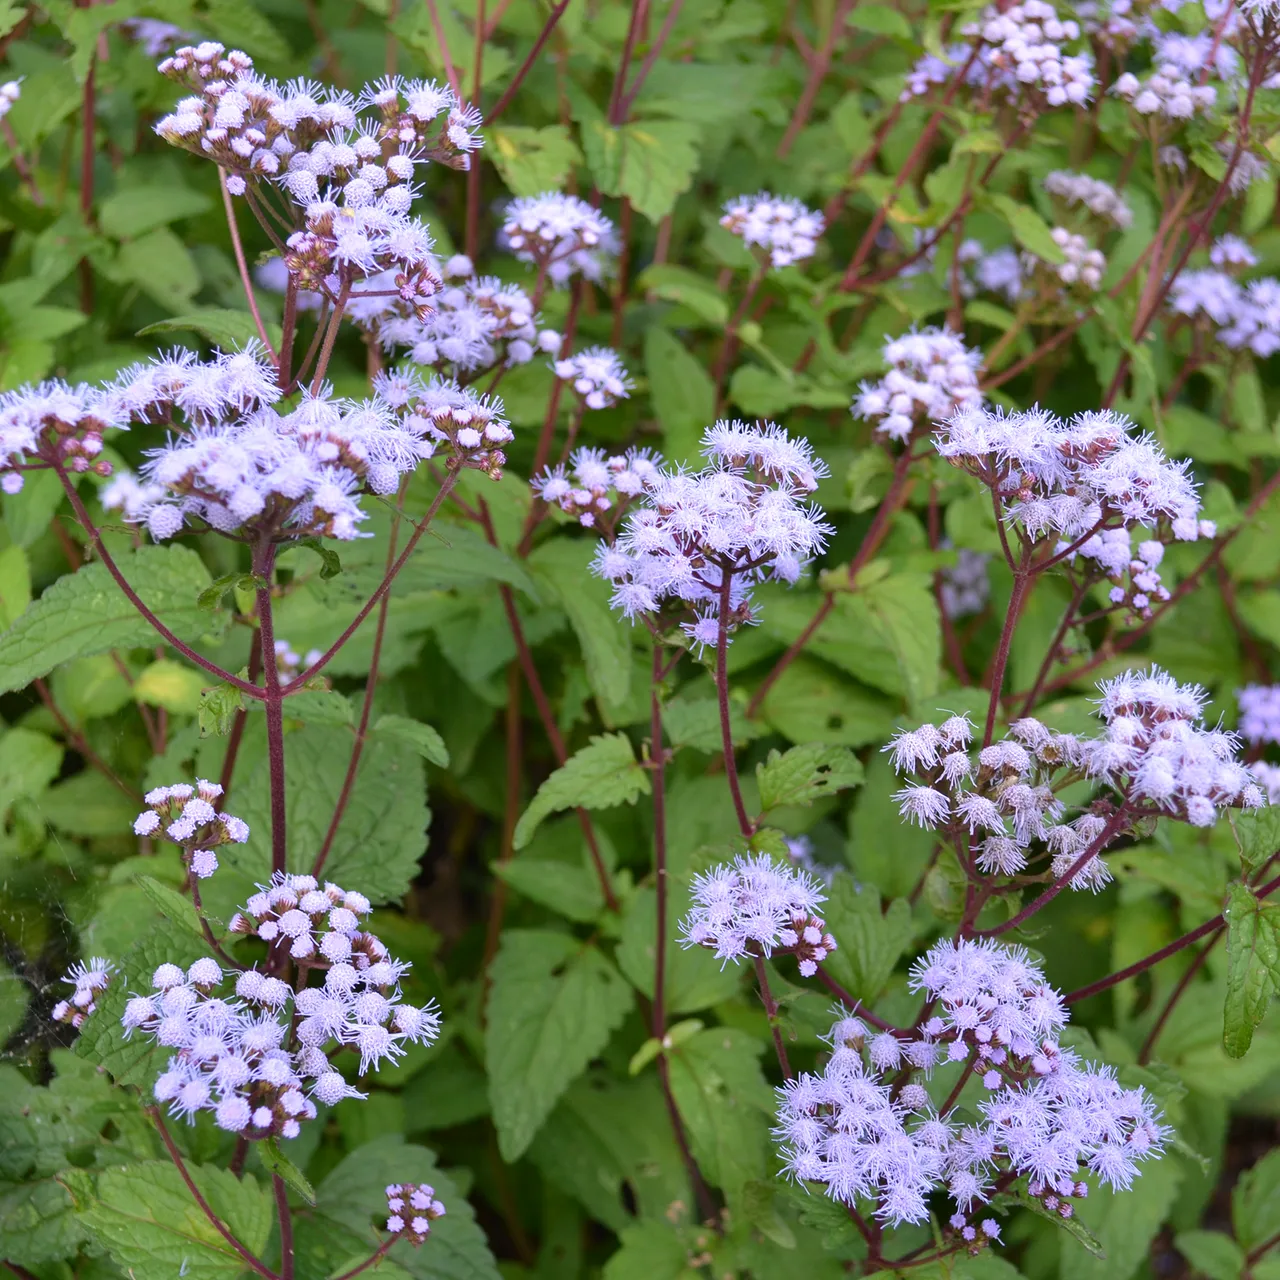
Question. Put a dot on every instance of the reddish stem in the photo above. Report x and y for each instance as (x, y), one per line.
(771, 1011)
(243, 267)
(530, 58)
(745, 825)
(274, 703)
(285, 1219)
(1021, 584)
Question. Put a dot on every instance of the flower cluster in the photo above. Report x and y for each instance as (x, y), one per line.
(1100, 198)
(441, 415)
(561, 235)
(1025, 49)
(1082, 267)
(1259, 713)
(931, 375)
(755, 907)
(258, 129)
(259, 1058)
(782, 229)
(597, 374)
(186, 815)
(1232, 251)
(88, 981)
(965, 587)
(10, 92)
(1247, 315)
(289, 664)
(706, 539)
(1072, 477)
(475, 322)
(595, 483)
(1046, 1117)
(411, 1209)
(1154, 755)
(1135, 578)
(1167, 91)
(53, 423)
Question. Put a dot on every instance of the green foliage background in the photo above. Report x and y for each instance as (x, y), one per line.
(538, 1114)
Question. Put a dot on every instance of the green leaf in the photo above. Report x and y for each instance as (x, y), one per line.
(553, 1004)
(170, 904)
(533, 160)
(695, 722)
(679, 284)
(651, 162)
(1255, 1202)
(319, 706)
(726, 1105)
(147, 1221)
(809, 702)
(275, 1161)
(421, 737)
(135, 210)
(681, 390)
(760, 1208)
(880, 20)
(15, 584)
(1253, 966)
(601, 775)
(216, 710)
(803, 774)
(86, 613)
(563, 566)
(1257, 835)
(870, 941)
(172, 685)
(28, 512)
(572, 890)
(331, 564)
(1121, 1223)
(223, 328)
(29, 762)
(1028, 228)
(161, 265)
(695, 979)
(649, 1250)
(87, 804)
(380, 838)
(1212, 1253)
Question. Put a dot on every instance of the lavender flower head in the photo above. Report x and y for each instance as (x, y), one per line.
(931, 375)
(595, 487)
(1259, 713)
(259, 1057)
(755, 907)
(186, 816)
(561, 235)
(597, 374)
(411, 1209)
(698, 538)
(782, 230)
(88, 981)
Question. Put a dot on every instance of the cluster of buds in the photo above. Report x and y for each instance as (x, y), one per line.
(427, 120)
(598, 375)
(978, 1235)
(411, 1209)
(470, 424)
(1168, 92)
(1081, 272)
(88, 980)
(1136, 579)
(294, 909)
(56, 424)
(187, 816)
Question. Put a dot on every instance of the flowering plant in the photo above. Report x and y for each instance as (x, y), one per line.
(639, 640)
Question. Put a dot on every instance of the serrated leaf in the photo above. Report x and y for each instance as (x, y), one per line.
(533, 160)
(29, 762)
(1253, 966)
(421, 737)
(803, 774)
(86, 613)
(217, 708)
(146, 1219)
(650, 162)
(1255, 1202)
(600, 776)
(681, 390)
(695, 722)
(553, 1004)
(563, 567)
(1257, 835)
(870, 941)
(320, 706)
